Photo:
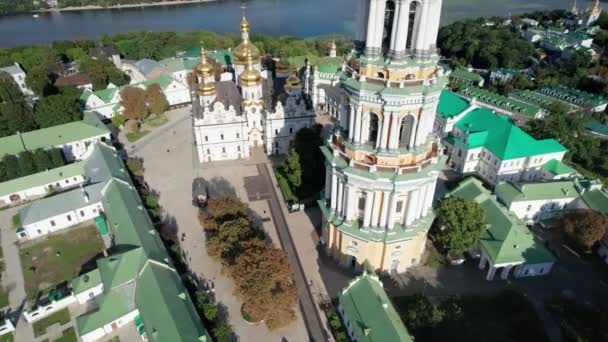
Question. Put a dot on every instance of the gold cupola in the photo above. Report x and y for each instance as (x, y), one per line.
(251, 76)
(204, 69)
(246, 48)
(293, 81)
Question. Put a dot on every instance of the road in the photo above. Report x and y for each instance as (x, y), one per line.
(312, 319)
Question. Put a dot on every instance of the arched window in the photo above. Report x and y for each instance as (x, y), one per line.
(373, 128)
(389, 19)
(406, 131)
(412, 25)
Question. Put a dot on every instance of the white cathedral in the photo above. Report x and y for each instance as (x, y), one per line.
(383, 159)
(252, 110)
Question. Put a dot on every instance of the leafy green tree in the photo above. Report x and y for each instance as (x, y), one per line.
(38, 80)
(57, 110)
(102, 72)
(307, 144)
(156, 99)
(210, 312)
(419, 312)
(42, 160)
(460, 223)
(76, 54)
(226, 242)
(293, 169)
(57, 159)
(226, 207)
(10, 165)
(584, 227)
(222, 332)
(15, 115)
(26, 164)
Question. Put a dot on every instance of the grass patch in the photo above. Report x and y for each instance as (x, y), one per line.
(115, 339)
(58, 259)
(3, 297)
(134, 136)
(288, 194)
(577, 322)
(157, 121)
(337, 326)
(62, 317)
(69, 335)
(7, 338)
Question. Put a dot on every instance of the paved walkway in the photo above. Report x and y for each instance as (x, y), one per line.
(12, 277)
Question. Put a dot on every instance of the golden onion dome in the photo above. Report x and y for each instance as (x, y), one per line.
(250, 76)
(283, 66)
(204, 69)
(293, 82)
(245, 48)
(206, 89)
(244, 25)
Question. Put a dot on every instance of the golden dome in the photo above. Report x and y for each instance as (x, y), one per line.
(283, 66)
(245, 48)
(206, 89)
(204, 69)
(293, 82)
(250, 76)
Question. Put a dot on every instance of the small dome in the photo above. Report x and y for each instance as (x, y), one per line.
(250, 76)
(204, 69)
(293, 82)
(206, 89)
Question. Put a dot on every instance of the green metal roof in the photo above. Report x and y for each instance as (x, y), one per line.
(503, 102)
(86, 281)
(596, 199)
(499, 135)
(89, 127)
(224, 57)
(573, 96)
(533, 97)
(556, 167)
(534, 191)
(596, 127)
(464, 74)
(506, 239)
(112, 304)
(370, 312)
(330, 65)
(300, 61)
(451, 105)
(42, 178)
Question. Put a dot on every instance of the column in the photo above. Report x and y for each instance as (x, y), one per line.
(358, 125)
(371, 25)
(398, 51)
(340, 197)
(491, 272)
(378, 142)
(376, 210)
(367, 215)
(334, 192)
(412, 204)
(351, 123)
(392, 210)
(505, 272)
(422, 28)
(362, 22)
(434, 17)
(345, 199)
(432, 188)
(351, 207)
(395, 28)
(327, 183)
(482, 261)
(385, 206)
(393, 140)
(379, 30)
(385, 134)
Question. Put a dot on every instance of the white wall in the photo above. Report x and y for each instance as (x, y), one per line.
(98, 334)
(540, 209)
(75, 150)
(44, 311)
(6, 327)
(63, 220)
(177, 93)
(531, 270)
(89, 294)
(42, 190)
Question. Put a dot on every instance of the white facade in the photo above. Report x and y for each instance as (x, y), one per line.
(222, 135)
(46, 310)
(6, 327)
(18, 76)
(24, 195)
(517, 269)
(282, 125)
(76, 150)
(63, 220)
(89, 294)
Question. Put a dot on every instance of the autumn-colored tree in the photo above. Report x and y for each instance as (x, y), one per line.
(226, 207)
(265, 280)
(225, 242)
(584, 227)
(134, 102)
(156, 99)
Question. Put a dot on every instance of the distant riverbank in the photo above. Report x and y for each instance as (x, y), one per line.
(147, 4)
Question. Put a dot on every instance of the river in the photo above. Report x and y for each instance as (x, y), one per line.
(305, 18)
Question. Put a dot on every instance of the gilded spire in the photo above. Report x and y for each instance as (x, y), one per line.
(244, 26)
(245, 48)
(597, 9)
(204, 69)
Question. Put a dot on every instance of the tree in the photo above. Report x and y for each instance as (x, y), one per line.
(134, 102)
(264, 277)
(226, 207)
(57, 159)
(225, 242)
(136, 166)
(156, 99)
(10, 164)
(42, 160)
(102, 72)
(584, 227)
(306, 143)
(222, 332)
(38, 80)
(460, 223)
(26, 164)
(57, 110)
(419, 312)
(292, 168)
(15, 115)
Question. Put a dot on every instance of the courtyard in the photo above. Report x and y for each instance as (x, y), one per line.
(59, 258)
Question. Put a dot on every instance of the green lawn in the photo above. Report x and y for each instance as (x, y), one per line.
(7, 338)
(62, 316)
(134, 136)
(69, 335)
(59, 258)
(157, 121)
(288, 194)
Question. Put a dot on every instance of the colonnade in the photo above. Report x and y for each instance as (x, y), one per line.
(370, 27)
(382, 208)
